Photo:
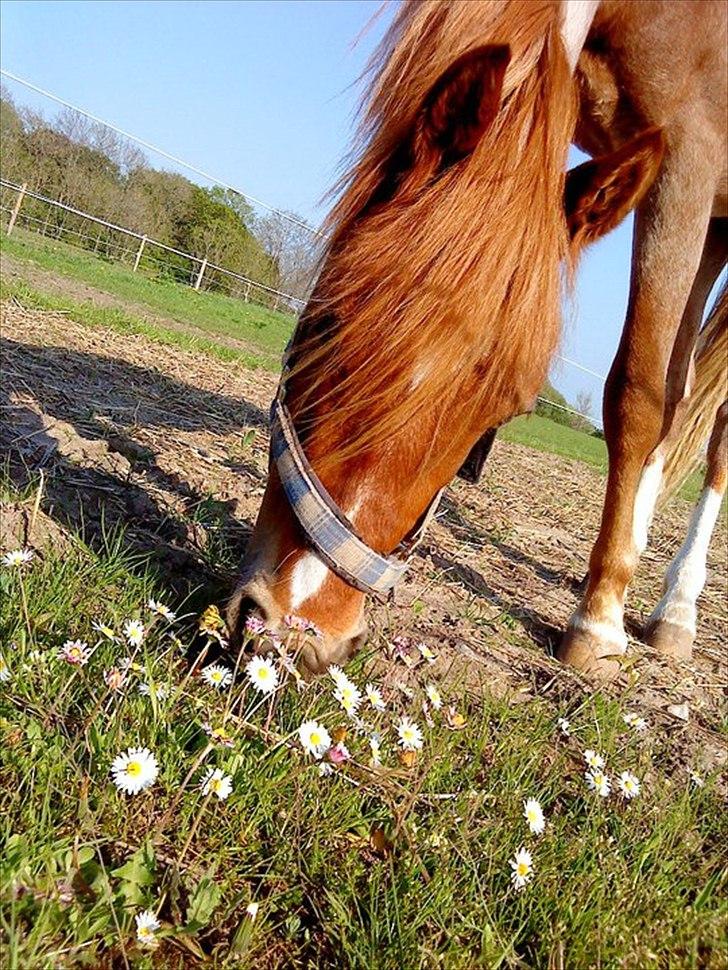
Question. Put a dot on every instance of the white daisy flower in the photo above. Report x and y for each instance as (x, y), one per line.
(314, 738)
(325, 768)
(134, 632)
(696, 779)
(375, 697)
(533, 814)
(598, 782)
(410, 736)
(262, 674)
(564, 726)
(216, 782)
(217, 675)
(594, 760)
(147, 925)
(251, 910)
(522, 866)
(634, 721)
(425, 652)
(105, 630)
(161, 610)
(434, 696)
(134, 770)
(17, 558)
(337, 675)
(75, 652)
(375, 746)
(160, 691)
(349, 696)
(114, 678)
(629, 784)
(4, 669)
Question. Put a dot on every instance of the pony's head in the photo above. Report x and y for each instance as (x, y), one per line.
(437, 308)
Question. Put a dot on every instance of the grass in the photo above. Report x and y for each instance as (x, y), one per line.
(543, 434)
(266, 331)
(401, 867)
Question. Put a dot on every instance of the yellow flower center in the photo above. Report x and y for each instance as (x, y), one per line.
(522, 869)
(215, 784)
(263, 673)
(315, 738)
(134, 768)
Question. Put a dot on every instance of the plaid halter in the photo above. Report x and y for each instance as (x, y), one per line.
(326, 527)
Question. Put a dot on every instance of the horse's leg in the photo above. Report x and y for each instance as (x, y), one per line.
(672, 260)
(671, 628)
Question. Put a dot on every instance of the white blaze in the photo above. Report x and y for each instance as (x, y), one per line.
(686, 575)
(577, 19)
(307, 578)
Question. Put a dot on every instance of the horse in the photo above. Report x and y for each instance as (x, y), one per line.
(437, 308)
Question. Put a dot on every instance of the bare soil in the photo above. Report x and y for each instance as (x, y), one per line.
(173, 446)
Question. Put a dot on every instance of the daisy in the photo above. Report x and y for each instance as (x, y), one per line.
(337, 675)
(410, 736)
(629, 784)
(533, 814)
(262, 674)
(217, 675)
(147, 925)
(75, 652)
(594, 760)
(4, 669)
(160, 691)
(349, 696)
(251, 910)
(635, 721)
(598, 782)
(325, 769)
(294, 622)
(105, 630)
(216, 782)
(218, 734)
(314, 738)
(255, 625)
(434, 696)
(375, 746)
(374, 696)
(426, 653)
(522, 866)
(114, 678)
(695, 778)
(161, 610)
(134, 770)
(134, 632)
(564, 726)
(17, 558)
(338, 753)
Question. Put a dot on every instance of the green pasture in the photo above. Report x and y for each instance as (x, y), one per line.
(403, 866)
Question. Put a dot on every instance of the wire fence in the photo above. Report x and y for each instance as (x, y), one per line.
(57, 220)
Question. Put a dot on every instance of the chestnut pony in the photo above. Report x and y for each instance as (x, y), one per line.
(437, 309)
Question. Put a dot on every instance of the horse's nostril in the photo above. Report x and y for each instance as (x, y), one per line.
(242, 607)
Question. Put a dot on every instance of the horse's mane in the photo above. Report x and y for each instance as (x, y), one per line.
(464, 280)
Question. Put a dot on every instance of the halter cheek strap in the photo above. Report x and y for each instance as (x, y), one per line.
(326, 527)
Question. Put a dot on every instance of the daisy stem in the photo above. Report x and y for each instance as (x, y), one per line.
(24, 602)
(193, 830)
(175, 801)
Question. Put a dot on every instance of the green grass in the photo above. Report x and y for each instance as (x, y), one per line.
(543, 434)
(404, 867)
(266, 331)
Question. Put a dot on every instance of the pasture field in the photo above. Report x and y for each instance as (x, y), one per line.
(135, 459)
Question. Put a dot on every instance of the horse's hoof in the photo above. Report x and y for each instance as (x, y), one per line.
(669, 639)
(590, 655)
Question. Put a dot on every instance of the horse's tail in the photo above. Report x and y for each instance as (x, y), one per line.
(709, 391)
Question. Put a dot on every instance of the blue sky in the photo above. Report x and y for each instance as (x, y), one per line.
(262, 95)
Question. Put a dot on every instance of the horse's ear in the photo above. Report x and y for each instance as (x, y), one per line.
(600, 193)
(462, 104)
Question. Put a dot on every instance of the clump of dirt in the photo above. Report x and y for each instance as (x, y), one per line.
(173, 446)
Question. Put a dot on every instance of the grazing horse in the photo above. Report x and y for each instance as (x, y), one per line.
(437, 309)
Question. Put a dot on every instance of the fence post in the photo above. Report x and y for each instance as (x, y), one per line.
(201, 273)
(16, 207)
(247, 292)
(142, 244)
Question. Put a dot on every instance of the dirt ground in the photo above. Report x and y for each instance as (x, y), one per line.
(173, 445)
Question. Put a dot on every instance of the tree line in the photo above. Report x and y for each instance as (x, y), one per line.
(86, 165)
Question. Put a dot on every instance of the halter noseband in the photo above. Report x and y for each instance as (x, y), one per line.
(326, 527)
